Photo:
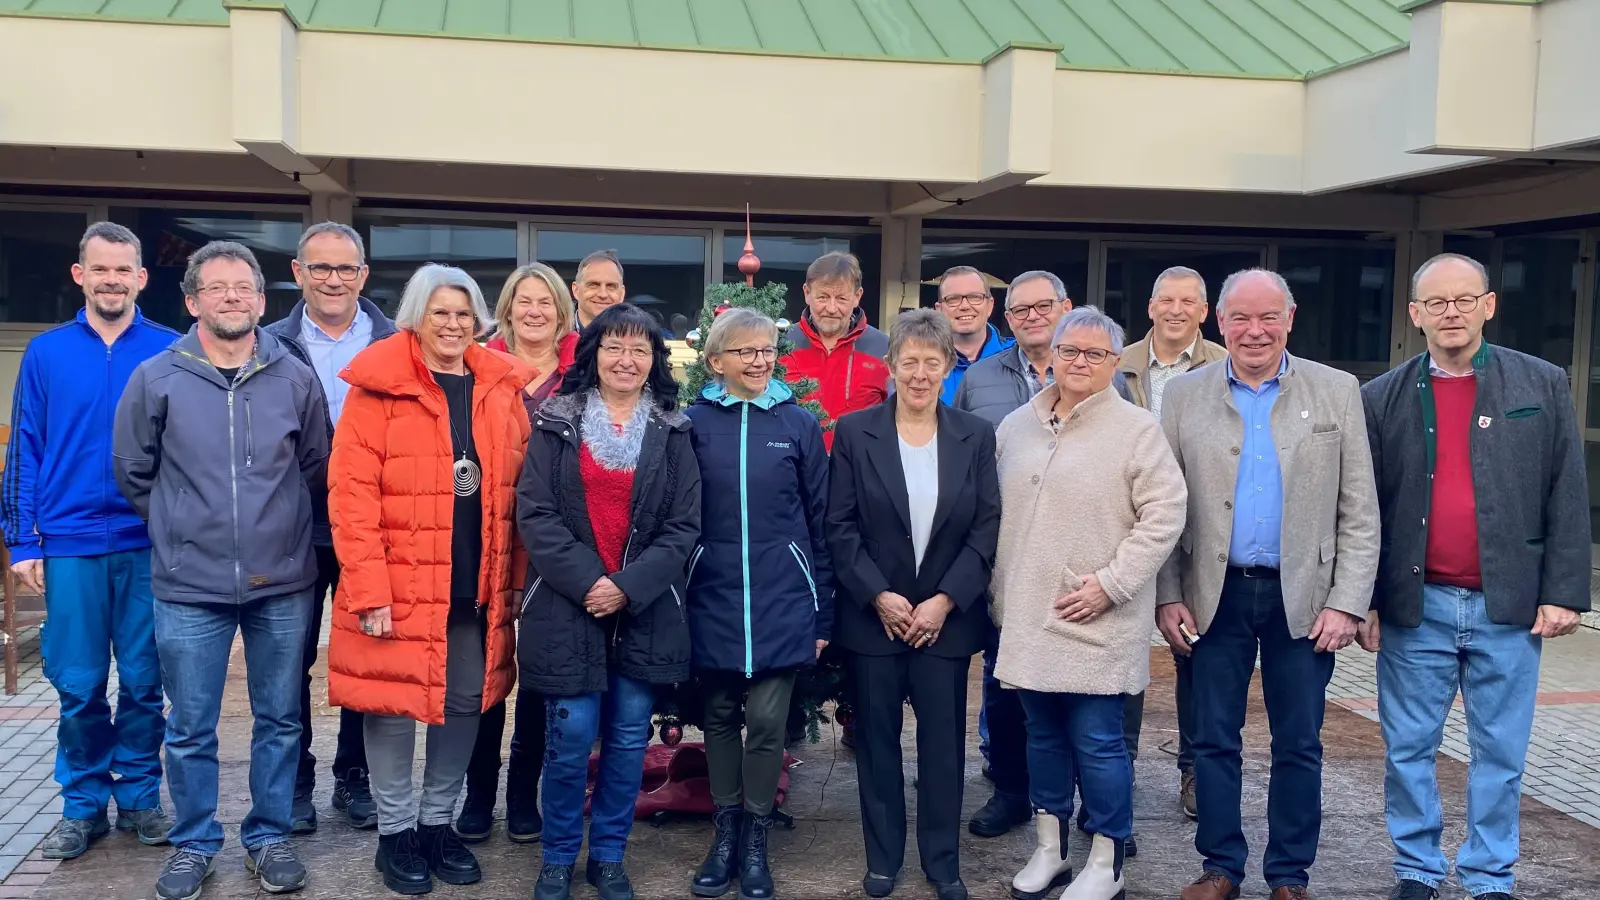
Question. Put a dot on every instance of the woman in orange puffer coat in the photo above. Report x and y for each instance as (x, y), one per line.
(422, 486)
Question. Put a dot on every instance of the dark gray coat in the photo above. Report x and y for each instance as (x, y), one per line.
(995, 386)
(224, 474)
(1528, 480)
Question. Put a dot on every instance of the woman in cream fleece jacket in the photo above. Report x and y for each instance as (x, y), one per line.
(1092, 504)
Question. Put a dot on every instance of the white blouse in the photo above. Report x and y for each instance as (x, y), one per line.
(921, 466)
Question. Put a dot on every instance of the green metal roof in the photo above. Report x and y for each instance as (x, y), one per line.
(1250, 38)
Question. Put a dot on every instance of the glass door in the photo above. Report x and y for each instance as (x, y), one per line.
(1130, 271)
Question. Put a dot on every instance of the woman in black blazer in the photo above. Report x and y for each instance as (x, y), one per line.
(913, 520)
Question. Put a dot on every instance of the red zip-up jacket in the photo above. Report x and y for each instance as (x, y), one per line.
(853, 375)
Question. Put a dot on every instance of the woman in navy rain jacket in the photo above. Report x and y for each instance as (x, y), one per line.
(760, 585)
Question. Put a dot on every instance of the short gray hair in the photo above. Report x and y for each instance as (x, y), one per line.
(1233, 281)
(111, 233)
(1446, 257)
(220, 250)
(928, 326)
(1056, 284)
(736, 321)
(1174, 273)
(609, 256)
(1093, 319)
(420, 289)
(339, 228)
(954, 271)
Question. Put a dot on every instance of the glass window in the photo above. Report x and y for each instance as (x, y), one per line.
(662, 273)
(169, 236)
(398, 245)
(1344, 298)
(37, 250)
(1537, 296)
(785, 256)
(1005, 258)
(1132, 269)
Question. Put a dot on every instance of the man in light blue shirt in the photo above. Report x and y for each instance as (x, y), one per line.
(326, 329)
(1258, 495)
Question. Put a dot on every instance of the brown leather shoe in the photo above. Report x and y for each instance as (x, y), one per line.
(1291, 892)
(1212, 886)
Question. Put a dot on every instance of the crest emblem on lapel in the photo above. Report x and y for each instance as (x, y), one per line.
(1483, 421)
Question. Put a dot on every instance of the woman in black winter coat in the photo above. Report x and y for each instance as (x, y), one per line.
(760, 585)
(609, 510)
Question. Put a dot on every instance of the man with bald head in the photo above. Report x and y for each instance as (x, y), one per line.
(1278, 559)
(1485, 507)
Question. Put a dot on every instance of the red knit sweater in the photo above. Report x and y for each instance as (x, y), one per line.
(609, 495)
(1452, 554)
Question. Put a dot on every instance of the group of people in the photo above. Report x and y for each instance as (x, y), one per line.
(542, 510)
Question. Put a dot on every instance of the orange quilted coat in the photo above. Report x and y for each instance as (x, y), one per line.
(391, 501)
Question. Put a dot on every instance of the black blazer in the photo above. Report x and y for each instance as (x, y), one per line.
(869, 529)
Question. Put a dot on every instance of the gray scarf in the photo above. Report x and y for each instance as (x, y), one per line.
(611, 449)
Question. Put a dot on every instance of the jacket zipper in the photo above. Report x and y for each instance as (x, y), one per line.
(744, 531)
(233, 484)
(805, 569)
(849, 372)
(249, 435)
(693, 561)
(682, 617)
(528, 595)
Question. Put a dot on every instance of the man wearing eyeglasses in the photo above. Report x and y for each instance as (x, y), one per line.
(330, 324)
(1173, 347)
(220, 442)
(965, 300)
(1485, 506)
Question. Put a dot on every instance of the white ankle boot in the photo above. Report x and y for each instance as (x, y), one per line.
(1101, 878)
(1048, 868)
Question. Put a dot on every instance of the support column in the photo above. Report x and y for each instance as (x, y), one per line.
(900, 286)
(1411, 249)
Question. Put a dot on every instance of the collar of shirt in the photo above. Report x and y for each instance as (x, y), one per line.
(1047, 378)
(361, 325)
(1435, 371)
(1283, 367)
(1185, 358)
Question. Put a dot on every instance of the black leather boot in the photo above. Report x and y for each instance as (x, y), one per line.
(477, 816)
(448, 859)
(716, 873)
(524, 825)
(405, 870)
(755, 875)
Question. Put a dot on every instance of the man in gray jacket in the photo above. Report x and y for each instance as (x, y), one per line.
(219, 443)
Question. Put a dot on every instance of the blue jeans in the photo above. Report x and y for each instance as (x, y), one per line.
(1496, 668)
(1073, 737)
(195, 640)
(1294, 684)
(1003, 731)
(96, 606)
(621, 718)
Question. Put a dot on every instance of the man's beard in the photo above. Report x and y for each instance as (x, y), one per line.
(109, 313)
(230, 332)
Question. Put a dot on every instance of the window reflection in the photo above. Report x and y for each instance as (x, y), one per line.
(1344, 301)
(37, 250)
(785, 256)
(1005, 258)
(665, 274)
(1131, 272)
(398, 245)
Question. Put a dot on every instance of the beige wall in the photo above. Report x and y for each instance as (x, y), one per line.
(1569, 55)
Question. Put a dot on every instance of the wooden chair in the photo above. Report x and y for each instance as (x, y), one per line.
(21, 610)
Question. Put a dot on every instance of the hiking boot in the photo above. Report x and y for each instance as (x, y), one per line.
(999, 816)
(184, 875)
(716, 873)
(477, 817)
(150, 826)
(610, 880)
(524, 825)
(302, 815)
(755, 873)
(555, 883)
(448, 859)
(400, 860)
(72, 837)
(1186, 798)
(353, 794)
(1408, 889)
(278, 868)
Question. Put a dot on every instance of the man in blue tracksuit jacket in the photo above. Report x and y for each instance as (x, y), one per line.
(75, 539)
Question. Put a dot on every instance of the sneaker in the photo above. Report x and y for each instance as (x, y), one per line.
(1186, 799)
(353, 795)
(184, 875)
(149, 825)
(555, 883)
(72, 837)
(1407, 889)
(302, 816)
(610, 880)
(279, 869)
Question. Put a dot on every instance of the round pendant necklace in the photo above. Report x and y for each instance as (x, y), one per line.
(465, 473)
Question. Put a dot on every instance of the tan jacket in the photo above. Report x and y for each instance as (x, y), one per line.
(1104, 498)
(1135, 366)
(1329, 545)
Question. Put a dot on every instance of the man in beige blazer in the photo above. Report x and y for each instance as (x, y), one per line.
(1278, 557)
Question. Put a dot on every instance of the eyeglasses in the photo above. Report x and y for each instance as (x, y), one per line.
(1021, 313)
(1094, 355)
(748, 355)
(1436, 306)
(443, 318)
(324, 271)
(637, 354)
(956, 301)
(219, 291)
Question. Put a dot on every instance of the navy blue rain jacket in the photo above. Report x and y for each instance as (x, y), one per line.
(760, 581)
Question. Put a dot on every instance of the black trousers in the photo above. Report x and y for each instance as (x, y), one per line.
(937, 688)
(351, 750)
(527, 752)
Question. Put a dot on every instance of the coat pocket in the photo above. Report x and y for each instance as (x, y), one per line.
(1523, 412)
(1093, 634)
(527, 595)
(694, 560)
(805, 569)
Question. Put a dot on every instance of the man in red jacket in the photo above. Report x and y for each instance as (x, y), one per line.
(833, 343)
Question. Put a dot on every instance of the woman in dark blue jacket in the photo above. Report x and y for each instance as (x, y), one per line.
(760, 585)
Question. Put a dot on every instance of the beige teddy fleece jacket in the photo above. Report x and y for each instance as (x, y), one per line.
(1102, 496)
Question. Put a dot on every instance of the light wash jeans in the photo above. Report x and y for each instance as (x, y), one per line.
(1496, 668)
